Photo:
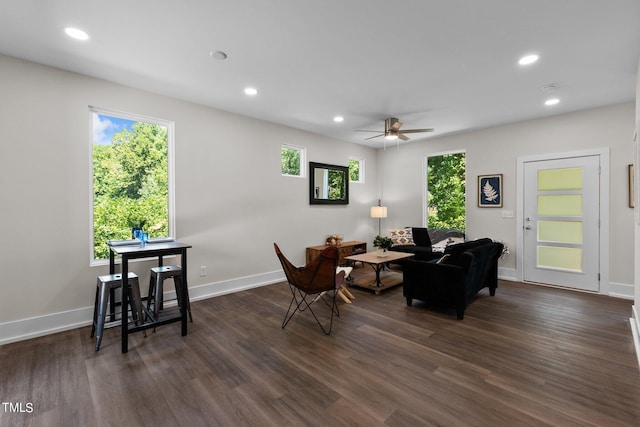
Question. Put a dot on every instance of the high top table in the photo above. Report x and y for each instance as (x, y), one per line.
(158, 248)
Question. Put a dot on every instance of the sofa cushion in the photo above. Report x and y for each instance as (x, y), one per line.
(402, 237)
(420, 252)
(421, 237)
(444, 259)
(458, 249)
(442, 237)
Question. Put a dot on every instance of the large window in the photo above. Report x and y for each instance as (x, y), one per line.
(446, 191)
(132, 178)
(293, 160)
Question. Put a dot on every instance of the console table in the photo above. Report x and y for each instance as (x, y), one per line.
(345, 249)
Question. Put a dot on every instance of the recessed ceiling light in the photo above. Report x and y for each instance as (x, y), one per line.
(338, 119)
(218, 54)
(251, 91)
(528, 59)
(76, 33)
(551, 101)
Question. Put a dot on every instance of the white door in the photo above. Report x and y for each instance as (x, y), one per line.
(561, 222)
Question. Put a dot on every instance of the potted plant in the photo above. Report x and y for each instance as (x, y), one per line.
(383, 244)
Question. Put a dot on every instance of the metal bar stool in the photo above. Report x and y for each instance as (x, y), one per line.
(155, 295)
(105, 295)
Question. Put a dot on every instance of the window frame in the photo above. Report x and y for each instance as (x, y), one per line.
(170, 125)
(303, 160)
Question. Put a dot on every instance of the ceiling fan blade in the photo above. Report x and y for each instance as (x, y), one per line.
(382, 134)
(396, 125)
(363, 130)
(402, 137)
(417, 130)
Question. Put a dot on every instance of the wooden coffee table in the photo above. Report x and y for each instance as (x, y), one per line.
(378, 263)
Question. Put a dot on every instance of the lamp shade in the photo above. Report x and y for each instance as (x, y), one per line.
(378, 211)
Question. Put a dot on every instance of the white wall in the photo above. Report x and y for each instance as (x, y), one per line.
(637, 203)
(231, 201)
(637, 207)
(495, 150)
(635, 319)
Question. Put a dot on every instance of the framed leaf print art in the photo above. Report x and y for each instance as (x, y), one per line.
(490, 191)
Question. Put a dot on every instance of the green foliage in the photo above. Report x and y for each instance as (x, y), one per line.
(446, 195)
(354, 170)
(337, 184)
(290, 161)
(382, 242)
(130, 185)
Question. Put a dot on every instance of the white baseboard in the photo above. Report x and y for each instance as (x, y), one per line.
(234, 285)
(621, 290)
(32, 327)
(616, 290)
(508, 274)
(635, 330)
(23, 329)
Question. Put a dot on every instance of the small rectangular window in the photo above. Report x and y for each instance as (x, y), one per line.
(293, 160)
(356, 169)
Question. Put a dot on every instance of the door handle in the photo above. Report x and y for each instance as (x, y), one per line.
(528, 227)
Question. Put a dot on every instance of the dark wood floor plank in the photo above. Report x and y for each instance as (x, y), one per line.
(529, 356)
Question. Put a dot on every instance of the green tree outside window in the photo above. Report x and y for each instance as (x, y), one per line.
(290, 161)
(354, 170)
(130, 184)
(446, 191)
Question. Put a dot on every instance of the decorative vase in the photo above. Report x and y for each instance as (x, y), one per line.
(381, 252)
(135, 232)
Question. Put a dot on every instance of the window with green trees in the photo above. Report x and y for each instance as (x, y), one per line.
(446, 191)
(356, 169)
(292, 160)
(131, 179)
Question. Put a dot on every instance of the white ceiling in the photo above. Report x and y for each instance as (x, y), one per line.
(449, 64)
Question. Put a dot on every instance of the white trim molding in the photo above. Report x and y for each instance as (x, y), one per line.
(635, 330)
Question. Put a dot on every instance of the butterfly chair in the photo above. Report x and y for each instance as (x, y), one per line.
(317, 281)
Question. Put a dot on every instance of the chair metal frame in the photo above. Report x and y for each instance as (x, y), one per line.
(313, 282)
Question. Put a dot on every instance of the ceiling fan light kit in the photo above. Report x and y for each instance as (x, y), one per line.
(392, 130)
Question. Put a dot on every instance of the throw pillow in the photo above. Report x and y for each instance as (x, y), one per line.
(402, 237)
(443, 260)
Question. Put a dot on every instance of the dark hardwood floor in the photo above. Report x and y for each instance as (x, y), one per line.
(530, 356)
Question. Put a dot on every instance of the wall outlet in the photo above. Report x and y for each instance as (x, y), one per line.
(203, 271)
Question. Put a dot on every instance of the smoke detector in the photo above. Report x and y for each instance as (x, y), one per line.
(550, 88)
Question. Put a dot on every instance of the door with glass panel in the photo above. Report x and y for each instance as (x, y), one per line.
(561, 222)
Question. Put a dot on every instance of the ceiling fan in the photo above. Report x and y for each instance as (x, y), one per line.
(392, 130)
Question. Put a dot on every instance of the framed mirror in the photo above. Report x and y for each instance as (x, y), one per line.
(328, 184)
